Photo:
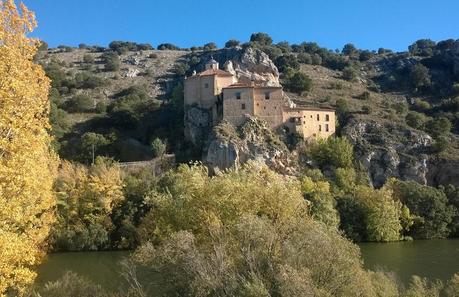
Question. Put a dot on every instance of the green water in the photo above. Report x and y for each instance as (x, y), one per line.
(435, 259)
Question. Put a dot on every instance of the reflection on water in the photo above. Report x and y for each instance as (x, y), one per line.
(434, 259)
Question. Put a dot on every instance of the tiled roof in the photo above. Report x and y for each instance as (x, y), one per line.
(244, 85)
(308, 108)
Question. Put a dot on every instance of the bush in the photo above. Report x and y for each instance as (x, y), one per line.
(158, 147)
(367, 109)
(438, 126)
(298, 82)
(316, 59)
(261, 38)
(349, 73)
(88, 59)
(210, 46)
(419, 76)
(79, 103)
(87, 80)
(286, 62)
(349, 49)
(429, 205)
(232, 43)
(168, 46)
(365, 55)
(422, 105)
(333, 151)
(415, 119)
(101, 107)
(304, 58)
(181, 69)
(112, 61)
(422, 47)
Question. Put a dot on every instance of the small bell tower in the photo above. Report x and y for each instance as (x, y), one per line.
(212, 64)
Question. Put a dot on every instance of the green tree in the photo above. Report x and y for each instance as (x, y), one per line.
(261, 38)
(420, 76)
(415, 119)
(349, 73)
(429, 205)
(422, 47)
(232, 43)
(112, 61)
(158, 147)
(333, 151)
(79, 103)
(349, 49)
(298, 82)
(438, 126)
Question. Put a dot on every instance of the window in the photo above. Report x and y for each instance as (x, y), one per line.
(238, 95)
(320, 128)
(311, 116)
(318, 117)
(206, 85)
(326, 128)
(267, 96)
(327, 117)
(243, 106)
(258, 104)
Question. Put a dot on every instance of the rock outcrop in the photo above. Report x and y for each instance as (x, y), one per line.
(253, 141)
(247, 64)
(389, 151)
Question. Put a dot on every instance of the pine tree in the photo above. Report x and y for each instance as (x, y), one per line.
(27, 164)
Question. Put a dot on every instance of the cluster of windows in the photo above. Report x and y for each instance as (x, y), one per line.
(327, 128)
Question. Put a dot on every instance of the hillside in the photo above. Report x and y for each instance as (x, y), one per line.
(119, 99)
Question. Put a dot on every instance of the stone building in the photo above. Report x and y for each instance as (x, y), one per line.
(218, 92)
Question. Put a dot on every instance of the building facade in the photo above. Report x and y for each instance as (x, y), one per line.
(219, 92)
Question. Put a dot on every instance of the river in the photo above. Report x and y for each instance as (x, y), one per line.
(434, 259)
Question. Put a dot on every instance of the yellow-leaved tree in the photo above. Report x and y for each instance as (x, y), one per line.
(27, 164)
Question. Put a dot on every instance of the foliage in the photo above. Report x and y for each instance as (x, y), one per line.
(261, 38)
(422, 47)
(349, 73)
(122, 47)
(349, 49)
(415, 119)
(419, 76)
(168, 46)
(27, 164)
(298, 82)
(79, 103)
(285, 62)
(429, 205)
(438, 126)
(244, 233)
(232, 43)
(112, 61)
(333, 151)
(158, 147)
(88, 59)
(86, 198)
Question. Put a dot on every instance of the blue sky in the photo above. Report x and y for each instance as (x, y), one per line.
(368, 24)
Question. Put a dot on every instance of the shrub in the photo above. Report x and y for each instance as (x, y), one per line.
(168, 46)
(285, 62)
(422, 105)
(210, 46)
(101, 107)
(365, 55)
(261, 38)
(333, 151)
(112, 61)
(79, 103)
(316, 59)
(429, 204)
(438, 126)
(158, 147)
(232, 43)
(181, 69)
(365, 95)
(43, 46)
(422, 47)
(349, 73)
(298, 82)
(415, 119)
(349, 49)
(419, 76)
(153, 56)
(87, 80)
(88, 59)
(367, 109)
(304, 58)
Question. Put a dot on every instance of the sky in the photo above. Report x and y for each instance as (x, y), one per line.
(368, 24)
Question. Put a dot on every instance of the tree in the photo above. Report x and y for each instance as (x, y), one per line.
(438, 126)
(27, 164)
(261, 38)
(158, 147)
(79, 103)
(112, 61)
(232, 43)
(419, 76)
(210, 46)
(422, 47)
(298, 82)
(91, 142)
(349, 49)
(431, 207)
(243, 233)
(415, 119)
(333, 151)
(349, 73)
(285, 62)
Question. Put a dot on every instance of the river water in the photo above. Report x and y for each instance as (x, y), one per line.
(434, 259)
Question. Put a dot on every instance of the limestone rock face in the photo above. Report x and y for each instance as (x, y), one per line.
(247, 64)
(253, 141)
(389, 151)
(197, 124)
